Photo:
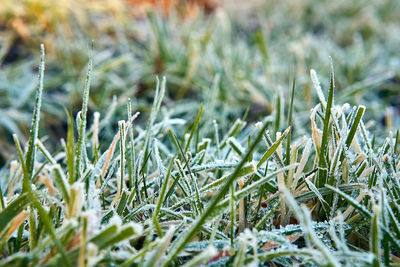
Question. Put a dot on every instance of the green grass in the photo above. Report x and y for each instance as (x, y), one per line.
(249, 54)
(253, 146)
(169, 195)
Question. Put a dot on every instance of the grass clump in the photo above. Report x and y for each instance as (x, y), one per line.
(249, 52)
(175, 193)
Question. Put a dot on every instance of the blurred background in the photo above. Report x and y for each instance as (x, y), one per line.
(230, 55)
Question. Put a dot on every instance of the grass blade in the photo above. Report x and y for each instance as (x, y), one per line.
(80, 146)
(31, 152)
(273, 148)
(323, 164)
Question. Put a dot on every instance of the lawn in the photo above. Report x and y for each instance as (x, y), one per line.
(199, 133)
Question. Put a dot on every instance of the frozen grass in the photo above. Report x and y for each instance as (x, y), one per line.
(193, 178)
(174, 194)
(244, 54)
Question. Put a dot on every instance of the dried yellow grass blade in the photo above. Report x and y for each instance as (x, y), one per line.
(110, 153)
(316, 133)
(303, 161)
(96, 118)
(45, 179)
(20, 218)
